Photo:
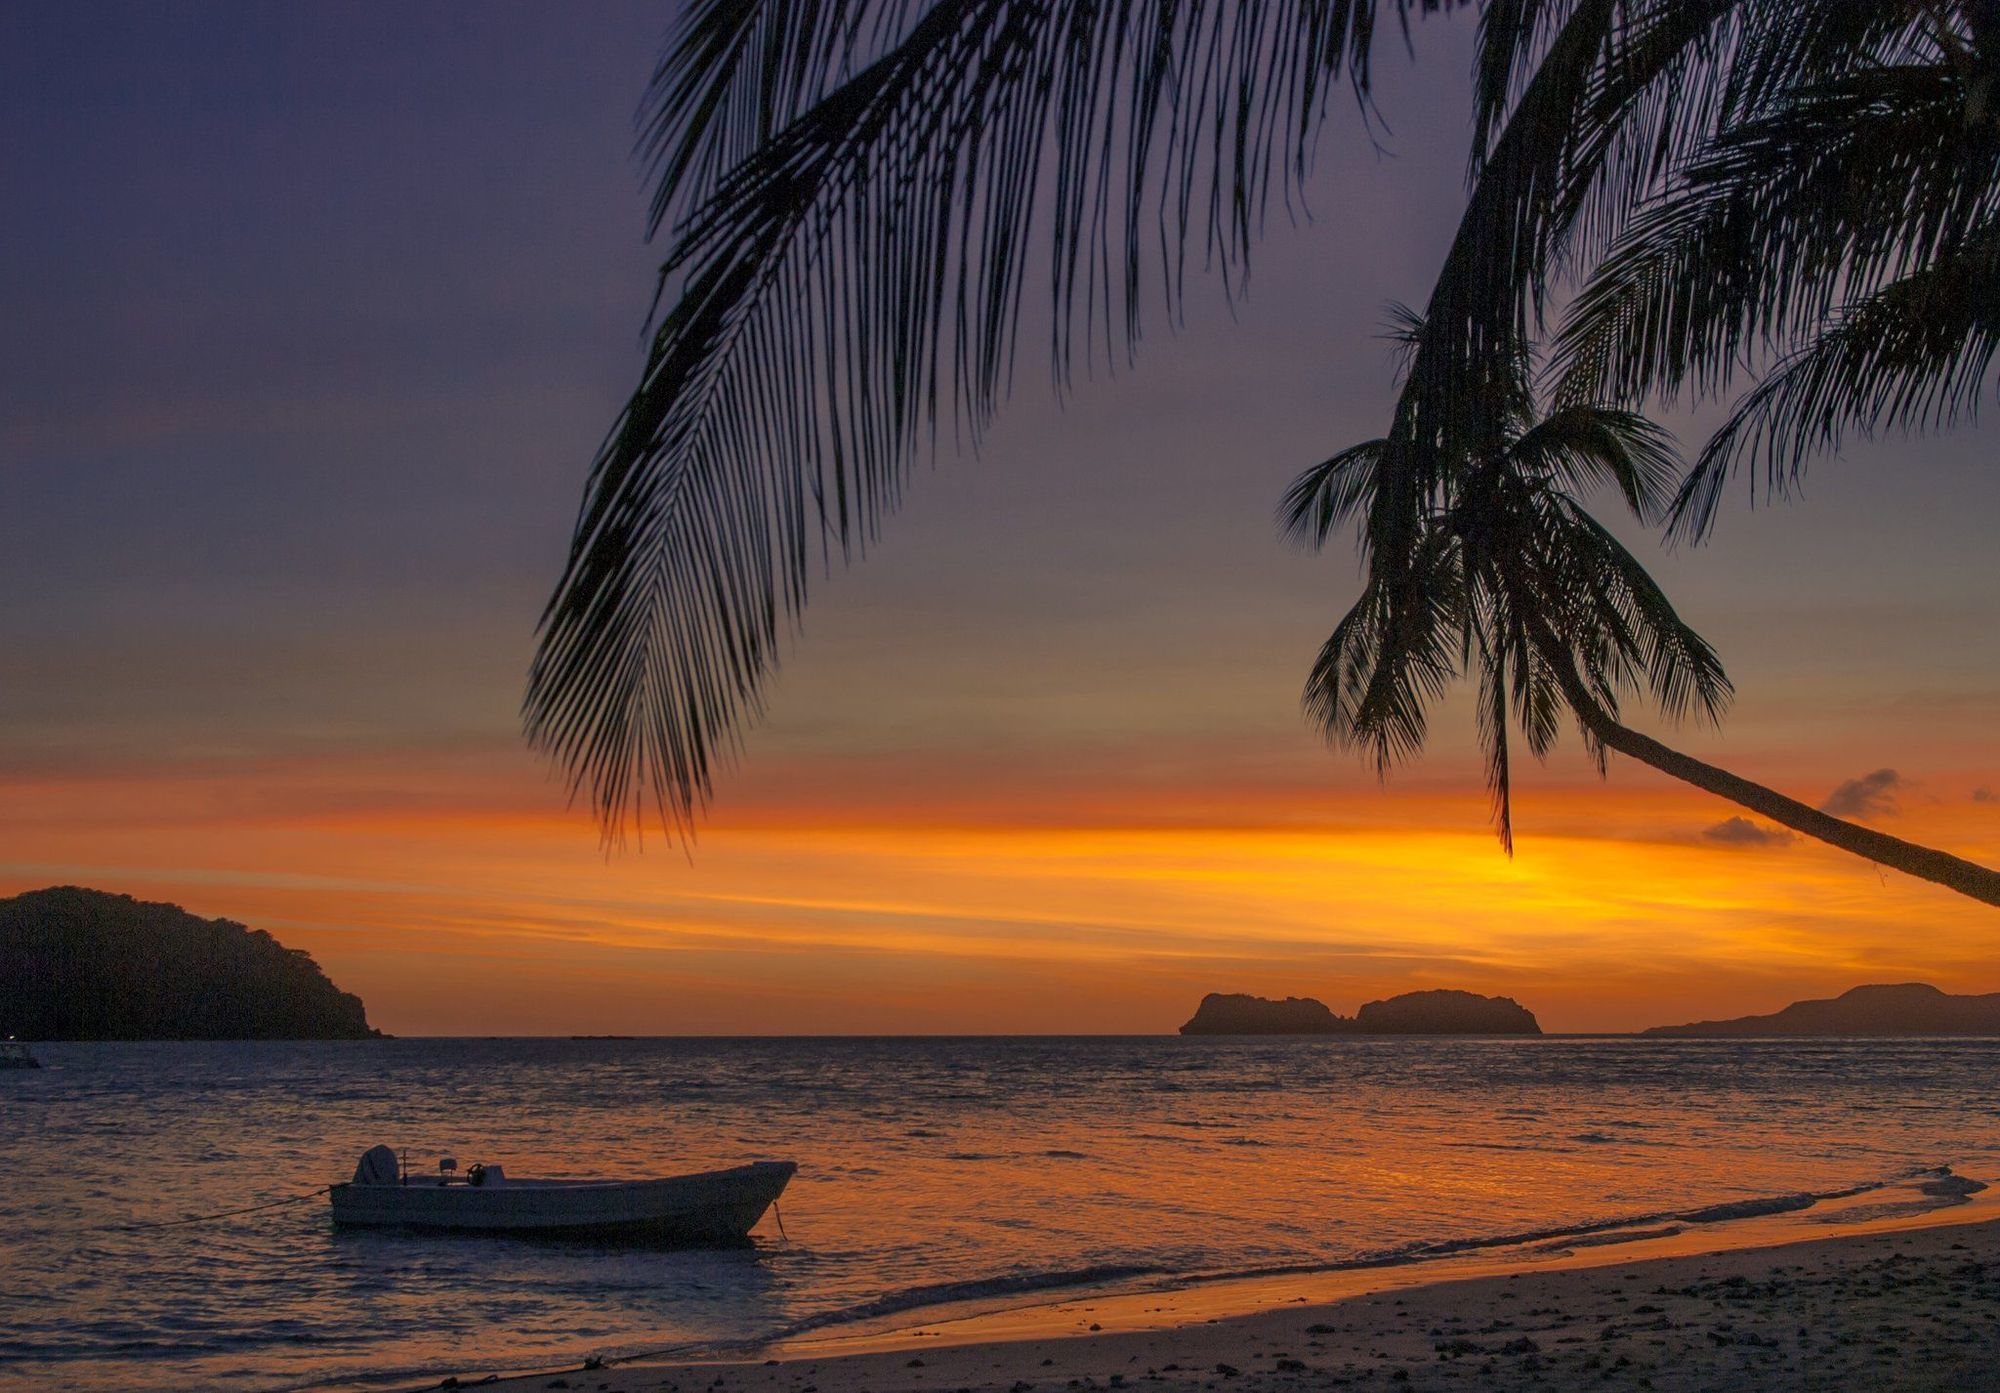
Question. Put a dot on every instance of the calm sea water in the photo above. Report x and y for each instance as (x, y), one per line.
(931, 1170)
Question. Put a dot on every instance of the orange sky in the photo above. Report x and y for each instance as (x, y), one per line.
(457, 899)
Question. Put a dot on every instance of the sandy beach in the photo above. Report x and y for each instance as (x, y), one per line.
(1894, 1307)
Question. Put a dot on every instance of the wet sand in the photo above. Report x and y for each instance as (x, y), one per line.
(1902, 1308)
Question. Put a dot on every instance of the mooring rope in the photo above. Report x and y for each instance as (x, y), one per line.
(220, 1214)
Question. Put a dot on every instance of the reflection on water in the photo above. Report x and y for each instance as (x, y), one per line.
(930, 1170)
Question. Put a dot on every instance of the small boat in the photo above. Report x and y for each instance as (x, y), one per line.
(709, 1207)
(15, 1055)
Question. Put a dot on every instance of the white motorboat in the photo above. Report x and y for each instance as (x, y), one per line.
(709, 1207)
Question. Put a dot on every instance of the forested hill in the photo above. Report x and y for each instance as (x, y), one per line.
(80, 964)
(1897, 1008)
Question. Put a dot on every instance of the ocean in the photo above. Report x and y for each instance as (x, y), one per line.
(932, 1171)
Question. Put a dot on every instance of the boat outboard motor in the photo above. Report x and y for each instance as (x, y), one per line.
(378, 1167)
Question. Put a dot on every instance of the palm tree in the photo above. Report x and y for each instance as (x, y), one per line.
(1806, 184)
(1509, 576)
(855, 191)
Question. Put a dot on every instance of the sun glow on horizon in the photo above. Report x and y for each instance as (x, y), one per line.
(480, 905)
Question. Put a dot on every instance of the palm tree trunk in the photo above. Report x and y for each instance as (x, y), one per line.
(1952, 872)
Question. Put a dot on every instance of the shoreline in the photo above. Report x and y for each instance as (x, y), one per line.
(1773, 1301)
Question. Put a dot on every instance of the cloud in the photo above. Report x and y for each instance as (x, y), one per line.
(1982, 794)
(1741, 831)
(1871, 795)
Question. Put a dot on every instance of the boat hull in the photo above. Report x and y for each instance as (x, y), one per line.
(714, 1207)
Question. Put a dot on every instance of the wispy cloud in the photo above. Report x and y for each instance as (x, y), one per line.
(1741, 831)
(1871, 795)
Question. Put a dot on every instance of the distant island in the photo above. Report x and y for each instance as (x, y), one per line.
(1413, 1013)
(1904, 1008)
(79, 964)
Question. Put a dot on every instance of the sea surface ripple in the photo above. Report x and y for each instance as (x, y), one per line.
(931, 1170)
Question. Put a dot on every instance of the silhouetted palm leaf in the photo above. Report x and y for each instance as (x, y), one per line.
(1842, 240)
(1773, 225)
(1748, 166)
(1917, 354)
(860, 194)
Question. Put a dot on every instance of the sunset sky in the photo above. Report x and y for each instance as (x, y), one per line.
(315, 315)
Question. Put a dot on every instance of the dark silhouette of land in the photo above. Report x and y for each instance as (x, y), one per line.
(1413, 1013)
(1904, 1008)
(79, 964)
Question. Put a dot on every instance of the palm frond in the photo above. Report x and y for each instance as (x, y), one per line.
(737, 72)
(854, 234)
(1391, 657)
(1492, 709)
(1330, 493)
(1622, 616)
(1850, 184)
(1916, 355)
(1583, 447)
(1538, 703)
(1609, 106)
